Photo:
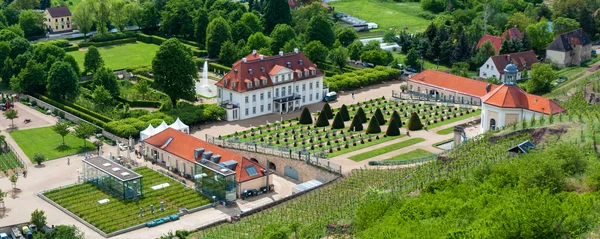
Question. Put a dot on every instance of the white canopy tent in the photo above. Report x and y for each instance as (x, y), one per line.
(178, 125)
(147, 132)
(161, 127)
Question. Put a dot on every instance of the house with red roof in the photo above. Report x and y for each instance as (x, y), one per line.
(570, 48)
(509, 104)
(511, 33)
(216, 171)
(494, 66)
(259, 85)
(448, 87)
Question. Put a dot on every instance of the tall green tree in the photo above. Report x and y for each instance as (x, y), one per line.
(174, 70)
(316, 52)
(327, 111)
(11, 114)
(379, 116)
(105, 77)
(562, 24)
(92, 61)
(84, 131)
(62, 81)
(412, 59)
(31, 80)
(150, 16)
(84, 18)
(363, 117)
(485, 51)
(540, 35)
(355, 50)
(319, 29)
(393, 129)
(239, 31)
(357, 122)
(460, 69)
(217, 33)
(276, 12)
(280, 35)
(64, 231)
(396, 117)
(541, 78)
(346, 35)
(252, 21)
(200, 25)
(228, 54)
(38, 218)
(338, 122)
(102, 15)
(177, 18)
(72, 62)
(118, 15)
(305, 117)
(259, 41)
(322, 120)
(32, 23)
(62, 129)
(339, 57)
(25, 4)
(373, 127)
(102, 97)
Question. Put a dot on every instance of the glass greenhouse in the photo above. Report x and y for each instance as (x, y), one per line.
(215, 181)
(112, 177)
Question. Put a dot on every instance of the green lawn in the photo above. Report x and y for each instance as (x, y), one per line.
(46, 141)
(445, 131)
(426, 64)
(417, 153)
(386, 149)
(362, 146)
(121, 56)
(385, 14)
(448, 121)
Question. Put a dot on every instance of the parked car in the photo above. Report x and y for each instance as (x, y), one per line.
(331, 96)
(4, 236)
(413, 70)
(16, 233)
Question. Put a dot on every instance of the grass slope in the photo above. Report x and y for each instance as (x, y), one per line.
(46, 141)
(445, 131)
(417, 153)
(386, 149)
(362, 146)
(385, 14)
(121, 56)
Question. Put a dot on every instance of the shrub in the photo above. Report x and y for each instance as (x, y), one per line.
(112, 36)
(373, 127)
(71, 48)
(107, 43)
(414, 123)
(327, 111)
(379, 117)
(393, 129)
(338, 123)
(305, 117)
(356, 124)
(361, 114)
(322, 121)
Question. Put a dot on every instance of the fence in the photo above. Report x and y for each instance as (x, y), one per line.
(305, 156)
(416, 96)
(18, 156)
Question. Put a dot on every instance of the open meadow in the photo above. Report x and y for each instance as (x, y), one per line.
(120, 56)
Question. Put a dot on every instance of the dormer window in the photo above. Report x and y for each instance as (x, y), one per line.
(300, 62)
(299, 74)
(313, 72)
(289, 76)
(262, 69)
(305, 72)
(226, 81)
(289, 64)
(249, 84)
(276, 79)
(264, 82)
(235, 70)
(250, 71)
(234, 84)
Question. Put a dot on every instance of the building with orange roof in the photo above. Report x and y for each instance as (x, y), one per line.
(510, 104)
(448, 87)
(216, 171)
(259, 85)
(511, 34)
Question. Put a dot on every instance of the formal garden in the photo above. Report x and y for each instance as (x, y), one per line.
(9, 162)
(116, 214)
(121, 56)
(48, 141)
(352, 127)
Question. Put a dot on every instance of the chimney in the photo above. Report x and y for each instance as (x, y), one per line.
(253, 52)
(261, 57)
(244, 59)
(296, 50)
(281, 53)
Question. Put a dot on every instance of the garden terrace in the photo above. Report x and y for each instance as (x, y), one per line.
(328, 142)
(82, 200)
(9, 161)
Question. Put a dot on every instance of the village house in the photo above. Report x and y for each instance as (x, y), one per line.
(511, 34)
(570, 48)
(58, 19)
(494, 66)
(449, 88)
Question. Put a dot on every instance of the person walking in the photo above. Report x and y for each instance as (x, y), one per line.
(353, 96)
(68, 161)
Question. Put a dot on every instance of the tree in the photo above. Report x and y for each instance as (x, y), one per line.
(176, 18)
(64, 231)
(363, 116)
(379, 116)
(106, 78)
(31, 80)
(327, 111)
(357, 122)
(19, 46)
(322, 120)
(150, 16)
(338, 122)
(217, 33)
(389, 37)
(252, 21)
(142, 87)
(200, 25)
(355, 50)
(373, 127)
(460, 69)
(276, 12)
(118, 14)
(92, 60)
(316, 52)
(62, 81)
(339, 57)
(84, 18)
(540, 35)
(414, 123)
(25, 4)
(396, 117)
(228, 54)
(32, 23)
(562, 24)
(319, 29)
(13, 179)
(102, 11)
(520, 20)
(346, 35)
(305, 117)
(485, 51)
(259, 41)
(62, 129)
(39, 158)
(84, 131)
(344, 112)
(541, 78)
(377, 57)
(38, 218)
(280, 35)
(133, 11)
(239, 31)
(412, 59)
(174, 70)
(11, 114)
(393, 129)
(69, 59)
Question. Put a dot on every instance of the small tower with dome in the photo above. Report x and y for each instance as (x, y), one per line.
(510, 74)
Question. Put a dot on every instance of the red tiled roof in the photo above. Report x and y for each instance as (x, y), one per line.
(513, 34)
(512, 96)
(293, 3)
(59, 11)
(456, 83)
(523, 60)
(183, 145)
(240, 70)
(496, 41)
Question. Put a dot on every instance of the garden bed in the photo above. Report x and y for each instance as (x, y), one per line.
(386, 149)
(117, 214)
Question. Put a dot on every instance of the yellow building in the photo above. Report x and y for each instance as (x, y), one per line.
(58, 19)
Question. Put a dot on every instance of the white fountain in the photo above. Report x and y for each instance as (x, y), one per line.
(203, 88)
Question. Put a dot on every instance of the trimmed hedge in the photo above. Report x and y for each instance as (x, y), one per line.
(74, 111)
(327, 111)
(58, 42)
(363, 117)
(379, 116)
(360, 78)
(414, 123)
(322, 120)
(144, 70)
(393, 129)
(212, 65)
(396, 117)
(79, 108)
(338, 122)
(344, 112)
(71, 48)
(108, 43)
(373, 127)
(139, 103)
(112, 36)
(305, 117)
(151, 39)
(356, 124)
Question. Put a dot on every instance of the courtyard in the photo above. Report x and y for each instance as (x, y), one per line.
(121, 56)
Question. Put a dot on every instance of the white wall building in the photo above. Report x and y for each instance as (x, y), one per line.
(495, 65)
(259, 85)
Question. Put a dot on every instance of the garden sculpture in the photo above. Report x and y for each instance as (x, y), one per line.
(151, 208)
(162, 206)
(141, 212)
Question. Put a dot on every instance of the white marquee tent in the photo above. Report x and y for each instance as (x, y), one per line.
(177, 125)
(147, 132)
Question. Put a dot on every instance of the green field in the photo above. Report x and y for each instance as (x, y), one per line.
(46, 141)
(386, 149)
(417, 153)
(121, 56)
(445, 131)
(81, 199)
(385, 14)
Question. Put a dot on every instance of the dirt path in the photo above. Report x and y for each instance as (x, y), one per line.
(591, 69)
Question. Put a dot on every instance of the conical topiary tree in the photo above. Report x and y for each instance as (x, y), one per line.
(361, 113)
(345, 114)
(305, 117)
(379, 116)
(396, 117)
(338, 123)
(393, 129)
(373, 127)
(414, 123)
(356, 124)
(327, 111)
(322, 121)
